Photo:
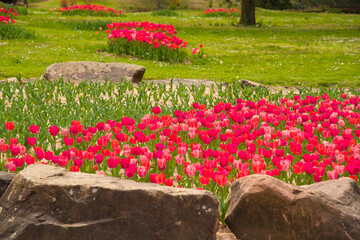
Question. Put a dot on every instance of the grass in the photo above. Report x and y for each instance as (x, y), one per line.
(165, 13)
(140, 5)
(290, 48)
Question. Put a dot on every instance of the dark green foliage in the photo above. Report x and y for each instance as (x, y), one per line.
(331, 3)
(11, 31)
(274, 4)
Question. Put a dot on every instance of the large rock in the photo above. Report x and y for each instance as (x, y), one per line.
(81, 71)
(263, 207)
(46, 202)
(5, 179)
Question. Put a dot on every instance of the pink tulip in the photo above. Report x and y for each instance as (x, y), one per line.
(190, 170)
(332, 174)
(142, 171)
(179, 159)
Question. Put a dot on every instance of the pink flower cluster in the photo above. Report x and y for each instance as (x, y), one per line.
(7, 19)
(11, 11)
(222, 10)
(233, 12)
(90, 8)
(149, 27)
(149, 37)
(299, 140)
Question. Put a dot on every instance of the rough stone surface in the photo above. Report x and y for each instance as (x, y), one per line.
(263, 207)
(248, 83)
(5, 179)
(47, 202)
(81, 71)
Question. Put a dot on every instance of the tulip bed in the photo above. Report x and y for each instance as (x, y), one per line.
(233, 12)
(149, 41)
(6, 14)
(183, 136)
(89, 10)
(14, 9)
(7, 28)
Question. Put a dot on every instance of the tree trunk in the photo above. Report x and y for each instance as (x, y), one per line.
(248, 12)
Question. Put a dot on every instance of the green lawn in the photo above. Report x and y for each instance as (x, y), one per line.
(290, 48)
(139, 5)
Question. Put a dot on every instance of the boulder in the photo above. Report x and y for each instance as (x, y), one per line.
(47, 203)
(5, 179)
(263, 207)
(82, 71)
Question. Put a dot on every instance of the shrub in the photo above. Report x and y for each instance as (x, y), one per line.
(274, 4)
(331, 3)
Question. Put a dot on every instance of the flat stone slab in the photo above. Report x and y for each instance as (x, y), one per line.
(82, 71)
(47, 203)
(263, 207)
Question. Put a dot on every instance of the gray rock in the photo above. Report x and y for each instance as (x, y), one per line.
(248, 83)
(5, 179)
(47, 202)
(263, 207)
(81, 71)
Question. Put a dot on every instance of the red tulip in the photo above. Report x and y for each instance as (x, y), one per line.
(298, 168)
(9, 126)
(68, 141)
(34, 129)
(168, 182)
(156, 110)
(31, 141)
(15, 151)
(54, 130)
(204, 180)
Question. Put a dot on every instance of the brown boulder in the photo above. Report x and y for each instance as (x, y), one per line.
(263, 207)
(5, 179)
(82, 71)
(47, 202)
